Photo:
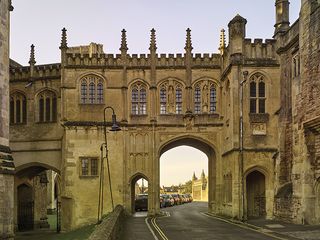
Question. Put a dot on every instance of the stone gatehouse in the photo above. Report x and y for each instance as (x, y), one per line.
(245, 107)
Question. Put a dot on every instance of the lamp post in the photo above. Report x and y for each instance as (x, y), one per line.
(114, 127)
(245, 76)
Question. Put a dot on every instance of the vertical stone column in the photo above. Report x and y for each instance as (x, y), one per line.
(188, 62)
(124, 87)
(153, 75)
(6, 160)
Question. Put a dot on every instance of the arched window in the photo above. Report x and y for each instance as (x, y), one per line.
(91, 90)
(213, 99)
(197, 100)
(178, 101)
(18, 108)
(163, 101)
(257, 94)
(138, 99)
(47, 105)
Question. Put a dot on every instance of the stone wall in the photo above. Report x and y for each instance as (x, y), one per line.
(110, 227)
(6, 161)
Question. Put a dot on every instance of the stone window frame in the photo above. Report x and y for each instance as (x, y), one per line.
(47, 106)
(91, 90)
(257, 94)
(177, 96)
(212, 96)
(91, 171)
(139, 99)
(18, 108)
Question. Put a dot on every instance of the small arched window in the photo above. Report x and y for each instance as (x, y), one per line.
(91, 90)
(178, 101)
(47, 106)
(257, 94)
(18, 108)
(213, 99)
(139, 99)
(197, 100)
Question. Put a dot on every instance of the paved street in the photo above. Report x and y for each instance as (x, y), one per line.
(187, 222)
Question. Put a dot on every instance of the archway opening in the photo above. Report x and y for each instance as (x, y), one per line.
(37, 198)
(187, 173)
(256, 194)
(139, 194)
(25, 207)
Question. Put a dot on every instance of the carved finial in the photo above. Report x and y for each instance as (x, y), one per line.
(194, 176)
(188, 41)
(202, 174)
(222, 41)
(124, 46)
(64, 44)
(32, 60)
(153, 43)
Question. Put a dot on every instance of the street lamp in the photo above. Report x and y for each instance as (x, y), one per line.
(114, 127)
(245, 76)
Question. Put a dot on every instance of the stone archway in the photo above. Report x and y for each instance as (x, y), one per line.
(35, 176)
(134, 190)
(200, 144)
(25, 207)
(256, 194)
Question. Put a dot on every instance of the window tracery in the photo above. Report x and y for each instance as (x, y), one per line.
(171, 97)
(91, 90)
(205, 97)
(47, 106)
(18, 108)
(257, 94)
(139, 99)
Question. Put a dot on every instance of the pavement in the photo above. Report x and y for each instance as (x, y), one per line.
(191, 221)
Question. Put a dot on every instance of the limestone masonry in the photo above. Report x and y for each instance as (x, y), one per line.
(253, 109)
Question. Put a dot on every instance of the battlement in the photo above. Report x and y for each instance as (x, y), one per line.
(40, 72)
(259, 49)
(140, 60)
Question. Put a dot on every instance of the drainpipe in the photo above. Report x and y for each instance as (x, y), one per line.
(245, 75)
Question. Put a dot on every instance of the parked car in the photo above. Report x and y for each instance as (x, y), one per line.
(177, 199)
(162, 202)
(190, 197)
(141, 202)
(167, 200)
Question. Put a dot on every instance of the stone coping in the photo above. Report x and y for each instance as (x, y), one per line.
(110, 227)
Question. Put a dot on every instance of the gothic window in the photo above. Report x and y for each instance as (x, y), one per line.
(197, 100)
(89, 166)
(18, 108)
(138, 100)
(91, 90)
(163, 101)
(213, 99)
(178, 101)
(47, 106)
(257, 94)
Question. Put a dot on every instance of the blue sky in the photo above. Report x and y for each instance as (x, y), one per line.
(40, 22)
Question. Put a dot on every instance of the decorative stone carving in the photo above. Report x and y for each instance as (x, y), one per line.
(259, 129)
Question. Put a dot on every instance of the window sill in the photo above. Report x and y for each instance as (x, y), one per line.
(90, 104)
(88, 176)
(18, 124)
(46, 122)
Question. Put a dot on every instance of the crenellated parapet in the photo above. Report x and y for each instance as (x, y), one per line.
(41, 72)
(259, 49)
(102, 60)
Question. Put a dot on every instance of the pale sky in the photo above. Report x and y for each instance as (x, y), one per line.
(39, 22)
(178, 164)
